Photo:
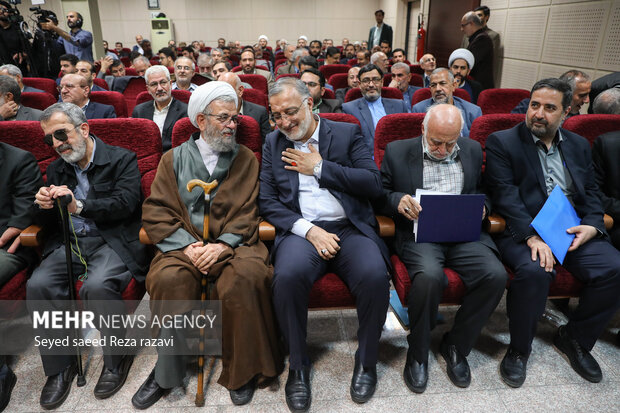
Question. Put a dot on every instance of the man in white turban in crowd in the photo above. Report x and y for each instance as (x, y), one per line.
(233, 256)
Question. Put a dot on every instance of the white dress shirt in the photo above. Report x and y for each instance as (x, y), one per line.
(209, 156)
(159, 116)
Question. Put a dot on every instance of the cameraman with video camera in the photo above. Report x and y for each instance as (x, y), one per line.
(11, 49)
(78, 42)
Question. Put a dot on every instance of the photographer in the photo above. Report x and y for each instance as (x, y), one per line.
(78, 42)
(11, 50)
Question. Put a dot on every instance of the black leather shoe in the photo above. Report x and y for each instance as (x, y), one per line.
(111, 381)
(148, 394)
(512, 368)
(297, 390)
(57, 388)
(416, 376)
(457, 366)
(243, 395)
(580, 359)
(6, 387)
(363, 383)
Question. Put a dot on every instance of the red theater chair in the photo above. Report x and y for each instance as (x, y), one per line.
(43, 83)
(133, 89)
(386, 92)
(101, 83)
(256, 81)
(329, 94)
(111, 98)
(500, 100)
(329, 70)
(339, 80)
(592, 126)
(297, 75)
(256, 96)
(340, 117)
(199, 79)
(38, 100)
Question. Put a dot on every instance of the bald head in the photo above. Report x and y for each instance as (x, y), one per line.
(233, 80)
(441, 129)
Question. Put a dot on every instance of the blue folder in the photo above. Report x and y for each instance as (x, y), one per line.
(450, 218)
(552, 221)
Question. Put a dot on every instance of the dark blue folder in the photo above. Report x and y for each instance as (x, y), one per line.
(450, 218)
(552, 221)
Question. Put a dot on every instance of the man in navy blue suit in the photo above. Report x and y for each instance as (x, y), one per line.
(316, 180)
(371, 106)
(524, 164)
(74, 89)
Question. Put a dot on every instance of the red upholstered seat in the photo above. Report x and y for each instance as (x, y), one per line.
(425, 93)
(591, 126)
(386, 92)
(329, 94)
(416, 69)
(297, 75)
(130, 71)
(500, 100)
(416, 80)
(329, 70)
(280, 61)
(256, 81)
(352, 62)
(38, 100)
(14, 290)
(131, 92)
(199, 79)
(126, 61)
(43, 83)
(256, 96)
(340, 117)
(248, 134)
(111, 98)
(339, 80)
(101, 83)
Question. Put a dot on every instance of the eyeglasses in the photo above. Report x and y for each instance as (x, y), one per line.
(225, 118)
(59, 135)
(183, 68)
(276, 117)
(161, 83)
(465, 24)
(311, 84)
(368, 80)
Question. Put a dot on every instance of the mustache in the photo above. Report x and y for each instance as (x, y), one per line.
(64, 147)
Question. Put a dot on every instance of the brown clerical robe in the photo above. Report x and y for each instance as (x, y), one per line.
(250, 344)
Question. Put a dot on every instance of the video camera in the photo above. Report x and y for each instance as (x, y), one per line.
(13, 13)
(43, 15)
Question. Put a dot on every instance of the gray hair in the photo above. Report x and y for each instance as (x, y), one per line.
(430, 112)
(301, 51)
(401, 65)
(443, 69)
(223, 98)
(156, 69)
(75, 115)
(11, 70)
(205, 58)
(285, 83)
(216, 49)
(471, 17)
(571, 77)
(375, 56)
(183, 57)
(10, 85)
(607, 102)
(142, 59)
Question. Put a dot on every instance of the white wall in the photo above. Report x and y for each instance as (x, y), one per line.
(545, 38)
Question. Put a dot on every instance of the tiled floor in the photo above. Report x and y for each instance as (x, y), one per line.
(551, 385)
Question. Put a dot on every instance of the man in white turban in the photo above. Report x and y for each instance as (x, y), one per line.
(233, 257)
(461, 62)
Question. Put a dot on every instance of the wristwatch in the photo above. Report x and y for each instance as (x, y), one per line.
(80, 206)
(316, 171)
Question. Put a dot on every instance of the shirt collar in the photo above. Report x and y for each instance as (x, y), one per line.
(314, 139)
(165, 109)
(205, 148)
(556, 140)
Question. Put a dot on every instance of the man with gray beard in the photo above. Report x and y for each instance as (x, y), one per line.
(317, 179)
(233, 255)
(103, 183)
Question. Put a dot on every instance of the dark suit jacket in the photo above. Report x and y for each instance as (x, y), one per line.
(606, 158)
(259, 113)
(602, 84)
(359, 109)
(96, 110)
(330, 106)
(113, 202)
(402, 173)
(26, 113)
(386, 34)
(176, 111)
(342, 93)
(32, 89)
(481, 46)
(348, 172)
(516, 184)
(20, 179)
(97, 88)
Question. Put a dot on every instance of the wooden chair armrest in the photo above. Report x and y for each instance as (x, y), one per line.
(32, 236)
(609, 222)
(386, 226)
(144, 237)
(496, 225)
(266, 231)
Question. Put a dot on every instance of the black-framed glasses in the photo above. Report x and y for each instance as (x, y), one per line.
(225, 118)
(311, 84)
(59, 135)
(367, 80)
(276, 117)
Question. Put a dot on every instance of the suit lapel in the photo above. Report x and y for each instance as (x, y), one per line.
(366, 115)
(169, 116)
(532, 155)
(293, 177)
(569, 162)
(415, 166)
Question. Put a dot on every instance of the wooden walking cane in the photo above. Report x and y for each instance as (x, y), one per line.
(205, 292)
